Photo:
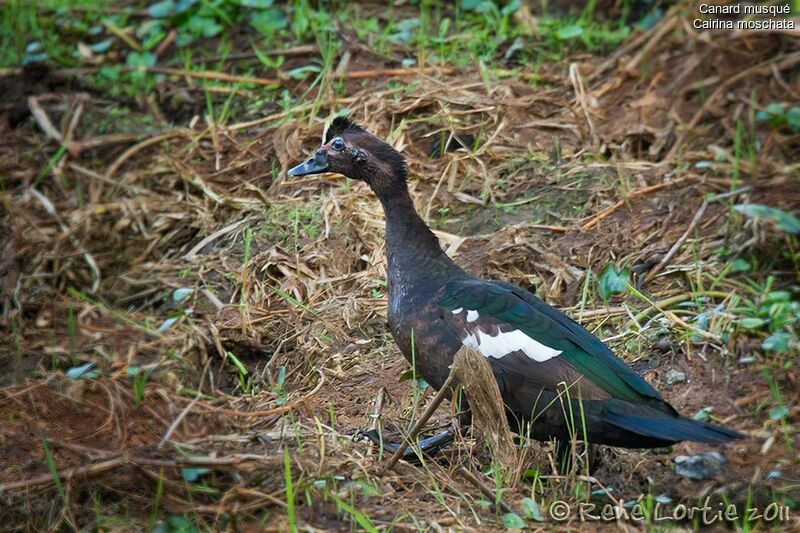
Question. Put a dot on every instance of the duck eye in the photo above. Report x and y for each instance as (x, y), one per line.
(337, 145)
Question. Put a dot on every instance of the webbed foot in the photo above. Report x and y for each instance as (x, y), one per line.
(429, 446)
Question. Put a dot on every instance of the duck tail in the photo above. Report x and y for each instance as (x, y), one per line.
(675, 429)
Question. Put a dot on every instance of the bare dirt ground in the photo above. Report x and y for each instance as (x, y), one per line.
(233, 402)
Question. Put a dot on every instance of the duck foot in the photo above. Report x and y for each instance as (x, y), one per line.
(585, 452)
(429, 446)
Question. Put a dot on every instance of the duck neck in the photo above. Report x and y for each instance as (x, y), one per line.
(413, 251)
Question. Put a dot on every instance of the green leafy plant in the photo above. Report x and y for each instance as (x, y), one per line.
(779, 117)
(532, 510)
(612, 280)
(204, 19)
(782, 219)
(584, 30)
(140, 61)
(776, 313)
(268, 22)
(310, 22)
(192, 18)
(513, 521)
(176, 524)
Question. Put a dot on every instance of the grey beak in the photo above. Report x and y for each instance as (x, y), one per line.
(315, 164)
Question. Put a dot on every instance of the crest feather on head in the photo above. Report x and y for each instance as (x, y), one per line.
(340, 125)
(378, 149)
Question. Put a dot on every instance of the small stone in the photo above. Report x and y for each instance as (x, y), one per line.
(675, 376)
(665, 343)
(704, 465)
(350, 348)
(747, 359)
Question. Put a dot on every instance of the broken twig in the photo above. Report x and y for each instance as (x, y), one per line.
(424, 417)
(693, 224)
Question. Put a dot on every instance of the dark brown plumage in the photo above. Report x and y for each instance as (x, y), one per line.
(557, 379)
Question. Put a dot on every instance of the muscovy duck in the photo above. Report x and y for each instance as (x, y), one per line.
(557, 380)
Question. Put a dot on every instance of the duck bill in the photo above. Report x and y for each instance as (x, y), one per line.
(316, 164)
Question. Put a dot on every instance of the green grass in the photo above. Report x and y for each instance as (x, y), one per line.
(19, 21)
(115, 313)
(461, 34)
(72, 332)
(288, 225)
(357, 516)
(139, 378)
(33, 30)
(290, 500)
(53, 469)
(242, 372)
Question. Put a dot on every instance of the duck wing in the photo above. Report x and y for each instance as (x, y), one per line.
(523, 336)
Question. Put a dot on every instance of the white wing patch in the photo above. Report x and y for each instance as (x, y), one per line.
(456, 311)
(508, 342)
(472, 316)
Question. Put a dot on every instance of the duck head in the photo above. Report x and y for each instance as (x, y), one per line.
(355, 153)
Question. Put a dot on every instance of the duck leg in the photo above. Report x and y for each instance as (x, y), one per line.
(444, 390)
(565, 458)
(429, 446)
